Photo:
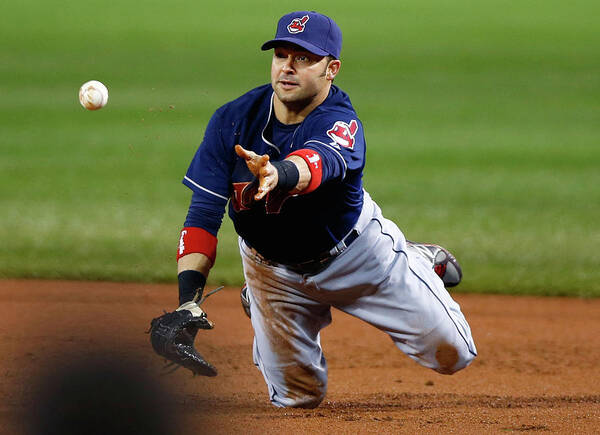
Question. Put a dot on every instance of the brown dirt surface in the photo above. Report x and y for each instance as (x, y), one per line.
(537, 369)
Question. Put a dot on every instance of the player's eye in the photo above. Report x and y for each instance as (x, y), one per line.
(302, 58)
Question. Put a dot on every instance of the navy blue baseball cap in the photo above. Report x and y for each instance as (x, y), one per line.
(310, 30)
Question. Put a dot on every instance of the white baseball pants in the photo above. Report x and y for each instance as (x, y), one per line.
(375, 279)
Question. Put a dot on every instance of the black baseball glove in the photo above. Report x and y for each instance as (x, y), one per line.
(172, 336)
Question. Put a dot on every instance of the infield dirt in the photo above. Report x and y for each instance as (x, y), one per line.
(537, 369)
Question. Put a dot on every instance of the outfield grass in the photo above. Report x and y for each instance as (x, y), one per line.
(482, 121)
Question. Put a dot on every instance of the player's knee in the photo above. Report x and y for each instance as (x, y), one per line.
(300, 390)
(451, 359)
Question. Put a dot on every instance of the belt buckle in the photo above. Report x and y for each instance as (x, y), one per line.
(347, 241)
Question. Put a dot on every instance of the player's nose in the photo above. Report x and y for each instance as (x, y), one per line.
(288, 65)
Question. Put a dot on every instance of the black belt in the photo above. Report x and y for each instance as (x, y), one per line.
(322, 260)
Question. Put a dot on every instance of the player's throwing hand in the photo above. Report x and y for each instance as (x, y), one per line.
(262, 169)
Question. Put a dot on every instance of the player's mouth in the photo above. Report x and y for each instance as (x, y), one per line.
(288, 84)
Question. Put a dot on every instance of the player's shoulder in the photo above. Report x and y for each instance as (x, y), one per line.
(337, 107)
(335, 123)
(249, 103)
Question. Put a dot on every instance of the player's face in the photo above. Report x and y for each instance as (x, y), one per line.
(298, 76)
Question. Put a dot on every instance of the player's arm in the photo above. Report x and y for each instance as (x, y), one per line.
(208, 178)
(336, 148)
(173, 334)
(197, 248)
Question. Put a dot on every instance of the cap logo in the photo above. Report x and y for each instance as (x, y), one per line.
(297, 25)
(343, 134)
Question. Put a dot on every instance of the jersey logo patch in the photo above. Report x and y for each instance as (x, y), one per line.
(243, 197)
(237, 197)
(297, 25)
(343, 134)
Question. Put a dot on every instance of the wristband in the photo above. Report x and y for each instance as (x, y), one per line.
(191, 282)
(287, 175)
(315, 166)
(195, 239)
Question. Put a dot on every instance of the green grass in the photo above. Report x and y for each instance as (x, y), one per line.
(482, 121)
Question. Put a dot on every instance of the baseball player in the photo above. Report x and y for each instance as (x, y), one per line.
(287, 159)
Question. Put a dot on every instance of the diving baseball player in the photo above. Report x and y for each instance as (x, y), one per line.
(287, 159)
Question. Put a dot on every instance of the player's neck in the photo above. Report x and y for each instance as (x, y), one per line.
(295, 112)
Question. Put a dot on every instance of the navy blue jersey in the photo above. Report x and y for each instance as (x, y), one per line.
(305, 225)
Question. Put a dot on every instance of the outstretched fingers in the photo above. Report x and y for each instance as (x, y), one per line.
(253, 160)
(261, 168)
(244, 154)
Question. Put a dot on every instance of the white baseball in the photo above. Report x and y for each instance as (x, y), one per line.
(93, 95)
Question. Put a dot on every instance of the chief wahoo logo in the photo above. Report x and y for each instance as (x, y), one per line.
(298, 24)
(343, 134)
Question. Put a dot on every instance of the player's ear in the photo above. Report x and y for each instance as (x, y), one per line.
(333, 67)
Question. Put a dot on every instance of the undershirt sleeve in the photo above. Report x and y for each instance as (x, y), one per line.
(205, 212)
